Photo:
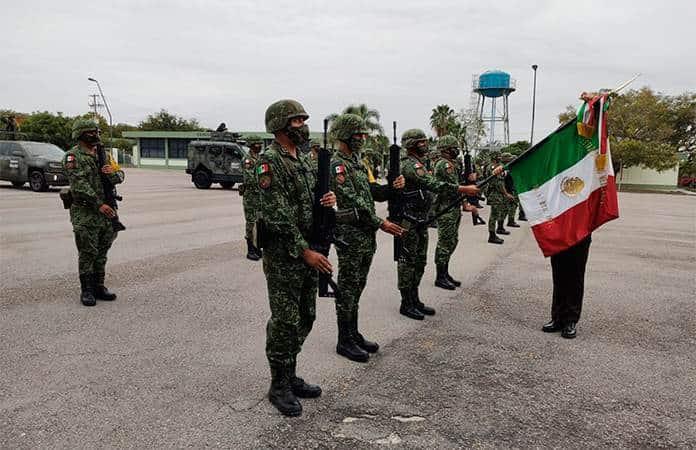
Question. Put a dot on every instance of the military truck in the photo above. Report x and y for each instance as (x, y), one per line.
(38, 163)
(218, 160)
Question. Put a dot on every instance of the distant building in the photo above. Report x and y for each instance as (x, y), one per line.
(169, 148)
(639, 178)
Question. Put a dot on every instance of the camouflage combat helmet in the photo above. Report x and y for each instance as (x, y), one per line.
(447, 142)
(254, 139)
(346, 125)
(412, 137)
(506, 157)
(278, 115)
(494, 155)
(82, 125)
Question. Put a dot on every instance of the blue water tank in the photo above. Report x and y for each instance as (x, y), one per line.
(494, 83)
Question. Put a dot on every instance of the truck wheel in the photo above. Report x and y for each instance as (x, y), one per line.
(18, 184)
(37, 181)
(227, 184)
(201, 179)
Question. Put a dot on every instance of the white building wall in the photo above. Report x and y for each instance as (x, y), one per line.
(640, 176)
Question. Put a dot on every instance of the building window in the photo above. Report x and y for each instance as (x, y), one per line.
(178, 148)
(151, 148)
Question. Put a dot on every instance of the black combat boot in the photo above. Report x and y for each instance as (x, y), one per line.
(87, 290)
(441, 279)
(300, 388)
(522, 216)
(408, 308)
(347, 346)
(100, 291)
(368, 346)
(280, 394)
(420, 306)
(478, 220)
(511, 223)
(457, 283)
(501, 230)
(252, 252)
(494, 239)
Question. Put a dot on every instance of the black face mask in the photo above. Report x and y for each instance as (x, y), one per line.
(356, 144)
(255, 148)
(421, 150)
(298, 135)
(91, 139)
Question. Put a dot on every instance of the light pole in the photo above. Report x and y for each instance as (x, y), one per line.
(108, 111)
(531, 137)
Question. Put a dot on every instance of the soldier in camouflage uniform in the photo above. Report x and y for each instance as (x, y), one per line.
(495, 197)
(250, 194)
(89, 214)
(357, 225)
(287, 181)
(510, 194)
(447, 170)
(419, 182)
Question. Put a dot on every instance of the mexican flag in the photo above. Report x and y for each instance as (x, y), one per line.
(566, 182)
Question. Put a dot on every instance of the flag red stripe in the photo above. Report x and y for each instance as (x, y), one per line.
(578, 222)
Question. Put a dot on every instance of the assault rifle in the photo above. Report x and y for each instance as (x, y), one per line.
(324, 219)
(395, 205)
(111, 197)
(464, 179)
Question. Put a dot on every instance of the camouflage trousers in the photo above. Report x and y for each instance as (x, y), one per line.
(353, 267)
(498, 213)
(292, 291)
(249, 217)
(447, 236)
(414, 254)
(511, 210)
(93, 238)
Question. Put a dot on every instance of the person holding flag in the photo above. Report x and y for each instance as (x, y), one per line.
(567, 189)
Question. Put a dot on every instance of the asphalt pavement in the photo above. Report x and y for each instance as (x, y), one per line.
(178, 360)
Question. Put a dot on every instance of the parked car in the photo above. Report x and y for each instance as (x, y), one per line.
(38, 163)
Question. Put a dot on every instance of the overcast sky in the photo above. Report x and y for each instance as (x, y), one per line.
(228, 60)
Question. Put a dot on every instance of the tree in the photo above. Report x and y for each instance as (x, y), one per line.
(165, 121)
(648, 129)
(517, 148)
(48, 127)
(370, 116)
(442, 119)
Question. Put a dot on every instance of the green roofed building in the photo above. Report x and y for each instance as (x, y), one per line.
(169, 148)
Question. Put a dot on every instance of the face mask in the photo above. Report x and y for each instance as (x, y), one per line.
(298, 135)
(91, 138)
(422, 149)
(255, 148)
(356, 144)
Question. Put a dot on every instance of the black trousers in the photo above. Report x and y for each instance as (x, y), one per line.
(568, 268)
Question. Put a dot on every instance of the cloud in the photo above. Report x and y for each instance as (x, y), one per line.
(227, 60)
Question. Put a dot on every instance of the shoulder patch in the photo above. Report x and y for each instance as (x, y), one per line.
(247, 164)
(70, 161)
(418, 165)
(340, 169)
(263, 168)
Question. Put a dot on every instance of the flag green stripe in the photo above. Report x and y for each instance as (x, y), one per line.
(559, 151)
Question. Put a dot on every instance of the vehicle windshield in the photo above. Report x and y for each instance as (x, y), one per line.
(43, 149)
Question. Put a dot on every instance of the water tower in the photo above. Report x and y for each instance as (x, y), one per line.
(493, 85)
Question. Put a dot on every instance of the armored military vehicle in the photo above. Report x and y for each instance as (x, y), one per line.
(218, 160)
(38, 163)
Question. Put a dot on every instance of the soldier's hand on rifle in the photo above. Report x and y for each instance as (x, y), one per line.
(400, 182)
(317, 261)
(498, 170)
(107, 169)
(471, 177)
(468, 190)
(470, 208)
(107, 211)
(391, 228)
(328, 200)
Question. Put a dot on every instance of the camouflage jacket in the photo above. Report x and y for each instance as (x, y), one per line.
(286, 187)
(82, 171)
(418, 181)
(495, 190)
(250, 189)
(355, 195)
(446, 171)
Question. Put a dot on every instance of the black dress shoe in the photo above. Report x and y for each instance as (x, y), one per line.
(551, 327)
(569, 331)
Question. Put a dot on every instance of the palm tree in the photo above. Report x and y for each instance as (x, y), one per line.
(441, 119)
(370, 116)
